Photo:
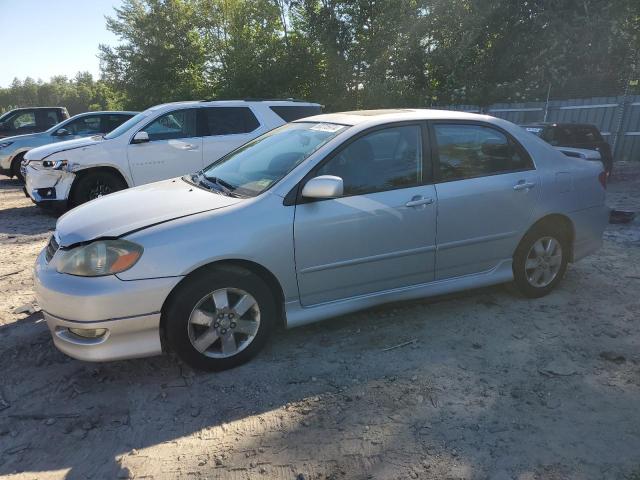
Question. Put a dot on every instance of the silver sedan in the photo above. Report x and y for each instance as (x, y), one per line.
(320, 217)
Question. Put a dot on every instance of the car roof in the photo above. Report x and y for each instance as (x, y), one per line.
(106, 112)
(37, 108)
(235, 103)
(393, 115)
(558, 124)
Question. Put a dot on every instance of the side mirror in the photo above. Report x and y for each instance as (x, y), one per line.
(4, 126)
(140, 137)
(62, 132)
(324, 186)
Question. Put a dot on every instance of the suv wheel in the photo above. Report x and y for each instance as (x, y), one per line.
(220, 318)
(93, 185)
(540, 262)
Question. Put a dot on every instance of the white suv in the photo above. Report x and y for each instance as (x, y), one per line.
(162, 142)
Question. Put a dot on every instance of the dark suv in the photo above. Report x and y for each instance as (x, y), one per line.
(575, 135)
(30, 120)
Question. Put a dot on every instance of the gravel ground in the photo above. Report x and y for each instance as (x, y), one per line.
(484, 384)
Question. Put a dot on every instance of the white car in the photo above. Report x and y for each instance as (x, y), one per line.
(162, 142)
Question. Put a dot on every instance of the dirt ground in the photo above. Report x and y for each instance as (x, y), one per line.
(491, 385)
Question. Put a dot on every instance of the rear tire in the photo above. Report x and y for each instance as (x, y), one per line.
(92, 185)
(219, 318)
(540, 261)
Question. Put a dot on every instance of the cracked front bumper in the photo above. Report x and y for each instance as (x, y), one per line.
(47, 186)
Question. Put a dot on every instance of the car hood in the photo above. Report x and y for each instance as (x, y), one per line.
(135, 209)
(43, 152)
(19, 138)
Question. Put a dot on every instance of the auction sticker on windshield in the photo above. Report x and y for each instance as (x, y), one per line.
(327, 127)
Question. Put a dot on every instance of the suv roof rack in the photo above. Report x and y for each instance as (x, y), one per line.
(256, 100)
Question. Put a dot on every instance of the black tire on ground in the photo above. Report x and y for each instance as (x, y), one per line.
(92, 185)
(522, 280)
(190, 292)
(15, 167)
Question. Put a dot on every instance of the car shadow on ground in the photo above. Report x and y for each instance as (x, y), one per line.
(22, 220)
(450, 381)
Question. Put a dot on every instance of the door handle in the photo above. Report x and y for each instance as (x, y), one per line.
(188, 146)
(522, 185)
(418, 200)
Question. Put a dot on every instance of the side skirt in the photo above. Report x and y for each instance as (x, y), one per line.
(297, 315)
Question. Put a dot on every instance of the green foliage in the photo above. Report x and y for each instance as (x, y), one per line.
(78, 94)
(350, 54)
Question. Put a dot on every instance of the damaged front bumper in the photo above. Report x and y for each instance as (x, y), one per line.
(48, 186)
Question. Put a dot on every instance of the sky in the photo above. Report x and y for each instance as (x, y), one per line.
(42, 38)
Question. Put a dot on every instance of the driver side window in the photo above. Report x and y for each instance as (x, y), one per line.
(386, 159)
(173, 125)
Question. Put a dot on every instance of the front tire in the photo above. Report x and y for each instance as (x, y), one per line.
(219, 318)
(540, 261)
(15, 167)
(92, 185)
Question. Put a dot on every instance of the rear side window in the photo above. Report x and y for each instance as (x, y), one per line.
(173, 125)
(586, 135)
(230, 120)
(51, 118)
(469, 151)
(289, 113)
(111, 122)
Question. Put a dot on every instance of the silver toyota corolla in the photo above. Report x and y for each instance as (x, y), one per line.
(320, 217)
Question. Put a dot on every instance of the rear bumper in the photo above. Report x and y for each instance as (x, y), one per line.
(589, 225)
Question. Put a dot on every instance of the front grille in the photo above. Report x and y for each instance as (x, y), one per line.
(52, 248)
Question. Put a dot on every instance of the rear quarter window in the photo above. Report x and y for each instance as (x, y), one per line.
(230, 120)
(289, 113)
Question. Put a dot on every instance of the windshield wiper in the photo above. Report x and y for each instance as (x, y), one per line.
(221, 183)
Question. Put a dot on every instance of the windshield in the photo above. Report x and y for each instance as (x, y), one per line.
(257, 165)
(5, 115)
(126, 126)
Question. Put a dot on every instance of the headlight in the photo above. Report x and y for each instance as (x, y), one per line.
(54, 164)
(102, 257)
(5, 144)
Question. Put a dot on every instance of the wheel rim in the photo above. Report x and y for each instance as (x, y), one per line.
(224, 322)
(543, 262)
(99, 189)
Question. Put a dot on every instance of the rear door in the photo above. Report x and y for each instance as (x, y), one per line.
(174, 148)
(381, 233)
(487, 188)
(227, 128)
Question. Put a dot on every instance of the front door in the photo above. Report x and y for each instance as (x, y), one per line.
(174, 148)
(487, 189)
(380, 234)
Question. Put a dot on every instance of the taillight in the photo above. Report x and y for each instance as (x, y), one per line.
(603, 179)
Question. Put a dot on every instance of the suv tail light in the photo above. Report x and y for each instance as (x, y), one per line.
(602, 177)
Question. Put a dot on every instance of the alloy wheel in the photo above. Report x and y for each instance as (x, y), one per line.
(543, 262)
(224, 322)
